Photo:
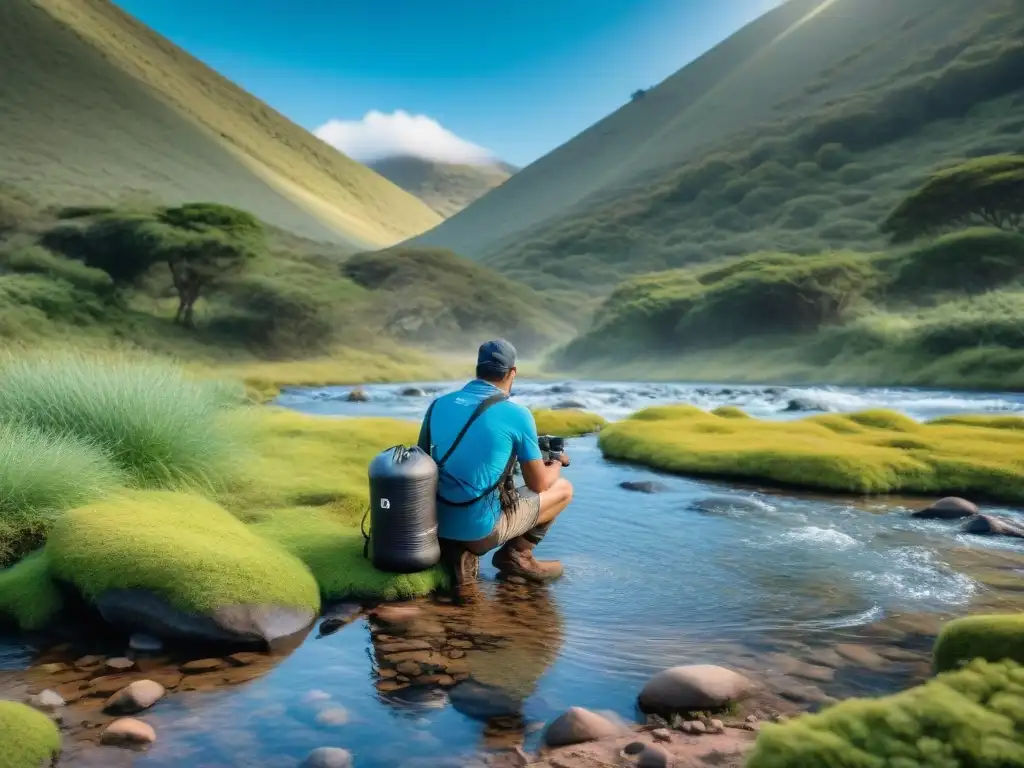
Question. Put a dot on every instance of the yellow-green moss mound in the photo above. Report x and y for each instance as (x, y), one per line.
(333, 551)
(973, 717)
(568, 422)
(183, 547)
(28, 739)
(28, 596)
(995, 637)
(870, 452)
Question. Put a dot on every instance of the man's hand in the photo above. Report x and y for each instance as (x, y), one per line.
(564, 459)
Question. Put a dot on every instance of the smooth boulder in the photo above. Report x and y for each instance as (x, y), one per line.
(128, 732)
(993, 526)
(949, 508)
(578, 725)
(328, 757)
(265, 625)
(357, 396)
(694, 688)
(642, 486)
(135, 697)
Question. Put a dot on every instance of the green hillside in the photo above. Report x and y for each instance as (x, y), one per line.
(797, 133)
(438, 298)
(209, 283)
(97, 108)
(445, 187)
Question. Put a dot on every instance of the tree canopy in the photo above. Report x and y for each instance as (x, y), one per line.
(987, 190)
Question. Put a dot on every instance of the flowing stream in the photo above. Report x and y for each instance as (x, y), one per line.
(816, 596)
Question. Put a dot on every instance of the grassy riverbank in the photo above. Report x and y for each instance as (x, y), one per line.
(868, 452)
(178, 488)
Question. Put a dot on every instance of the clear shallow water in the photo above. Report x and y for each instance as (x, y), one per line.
(700, 573)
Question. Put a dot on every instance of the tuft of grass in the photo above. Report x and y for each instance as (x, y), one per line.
(333, 551)
(158, 426)
(568, 422)
(29, 598)
(41, 475)
(970, 717)
(181, 546)
(28, 738)
(869, 452)
(995, 637)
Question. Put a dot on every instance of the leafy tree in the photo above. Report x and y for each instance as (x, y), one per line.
(988, 190)
(200, 243)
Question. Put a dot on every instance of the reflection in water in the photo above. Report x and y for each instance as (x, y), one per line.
(489, 647)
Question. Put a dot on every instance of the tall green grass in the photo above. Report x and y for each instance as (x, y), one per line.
(42, 474)
(156, 425)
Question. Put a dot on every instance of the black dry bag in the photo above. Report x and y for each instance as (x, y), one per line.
(403, 511)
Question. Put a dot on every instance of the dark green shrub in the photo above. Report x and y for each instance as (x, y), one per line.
(972, 261)
(832, 156)
(855, 173)
(851, 231)
(763, 200)
(799, 214)
(38, 260)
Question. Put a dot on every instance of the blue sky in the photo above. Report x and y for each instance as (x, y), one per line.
(455, 79)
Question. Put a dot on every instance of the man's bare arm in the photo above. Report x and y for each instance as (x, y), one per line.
(539, 476)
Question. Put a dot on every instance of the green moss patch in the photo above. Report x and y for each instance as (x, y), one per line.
(28, 738)
(28, 596)
(333, 551)
(568, 422)
(973, 717)
(869, 452)
(183, 547)
(996, 637)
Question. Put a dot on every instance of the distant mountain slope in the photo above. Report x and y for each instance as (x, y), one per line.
(94, 107)
(783, 136)
(445, 187)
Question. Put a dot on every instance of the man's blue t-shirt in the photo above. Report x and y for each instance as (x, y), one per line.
(479, 459)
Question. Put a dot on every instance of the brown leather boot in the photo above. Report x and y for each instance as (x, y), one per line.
(462, 565)
(516, 559)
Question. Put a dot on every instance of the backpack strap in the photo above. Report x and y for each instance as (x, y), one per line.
(494, 399)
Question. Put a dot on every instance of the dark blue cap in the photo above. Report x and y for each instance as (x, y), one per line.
(496, 356)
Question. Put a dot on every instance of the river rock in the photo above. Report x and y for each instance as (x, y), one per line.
(800, 404)
(568, 405)
(949, 508)
(128, 732)
(642, 486)
(994, 526)
(135, 697)
(328, 757)
(119, 664)
(413, 392)
(357, 396)
(715, 505)
(861, 655)
(654, 756)
(693, 688)
(578, 725)
(47, 700)
(333, 716)
(662, 734)
(144, 643)
(201, 665)
(483, 702)
(264, 625)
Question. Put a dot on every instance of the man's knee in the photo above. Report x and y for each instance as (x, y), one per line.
(564, 489)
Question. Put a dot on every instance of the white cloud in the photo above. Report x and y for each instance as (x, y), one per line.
(379, 135)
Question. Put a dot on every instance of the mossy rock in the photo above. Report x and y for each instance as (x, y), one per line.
(568, 422)
(995, 637)
(333, 551)
(870, 452)
(730, 412)
(972, 717)
(28, 738)
(184, 565)
(29, 598)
